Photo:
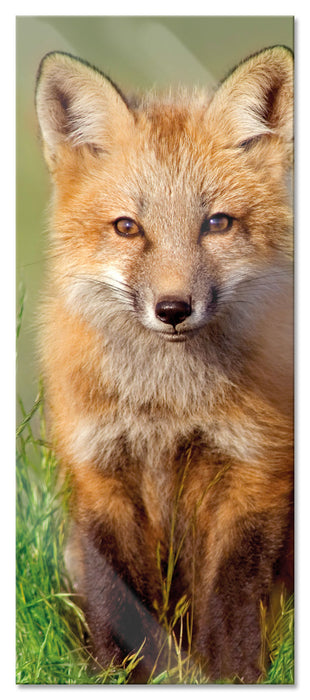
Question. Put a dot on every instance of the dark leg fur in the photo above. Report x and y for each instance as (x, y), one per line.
(230, 635)
(118, 619)
(227, 628)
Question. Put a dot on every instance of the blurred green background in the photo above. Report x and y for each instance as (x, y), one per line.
(138, 53)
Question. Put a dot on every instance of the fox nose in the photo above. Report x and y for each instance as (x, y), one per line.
(173, 310)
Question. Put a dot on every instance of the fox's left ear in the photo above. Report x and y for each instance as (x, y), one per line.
(77, 106)
(256, 99)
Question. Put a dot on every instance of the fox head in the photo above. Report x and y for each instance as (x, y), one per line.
(169, 214)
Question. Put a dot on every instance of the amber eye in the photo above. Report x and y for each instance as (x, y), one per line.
(127, 227)
(217, 223)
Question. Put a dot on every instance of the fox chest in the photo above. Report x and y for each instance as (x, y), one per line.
(160, 468)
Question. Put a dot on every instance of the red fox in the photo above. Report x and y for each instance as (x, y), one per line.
(166, 351)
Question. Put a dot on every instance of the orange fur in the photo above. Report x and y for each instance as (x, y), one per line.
(167, 354)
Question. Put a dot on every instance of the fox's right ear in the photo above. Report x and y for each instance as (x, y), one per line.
(77, 105)
(256, 100)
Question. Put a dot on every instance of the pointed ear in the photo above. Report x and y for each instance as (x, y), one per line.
(256, 99)
(77, 105)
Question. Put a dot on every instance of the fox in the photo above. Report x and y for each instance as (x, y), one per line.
(166, 346)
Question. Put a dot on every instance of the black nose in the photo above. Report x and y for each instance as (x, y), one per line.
(172, 310)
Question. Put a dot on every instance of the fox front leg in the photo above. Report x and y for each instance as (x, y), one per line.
(118, 616)
(229, 636)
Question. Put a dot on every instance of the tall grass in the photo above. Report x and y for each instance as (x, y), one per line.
(52, 634)
(281, 645)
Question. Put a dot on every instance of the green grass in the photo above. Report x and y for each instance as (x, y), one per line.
(52, 634)
(281, 645)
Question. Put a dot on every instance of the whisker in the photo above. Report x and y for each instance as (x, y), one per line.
(124, 293)
(272, 275)
(122, 283)
(229, 302)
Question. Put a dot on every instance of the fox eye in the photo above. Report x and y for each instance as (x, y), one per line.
(217, 223)
(127, 227)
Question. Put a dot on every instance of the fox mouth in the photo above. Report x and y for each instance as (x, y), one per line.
(175, 336)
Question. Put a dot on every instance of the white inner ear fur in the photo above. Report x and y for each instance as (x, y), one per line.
(253, 100)
(75, 103)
